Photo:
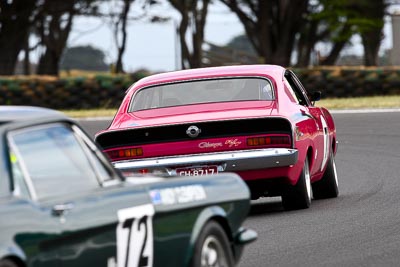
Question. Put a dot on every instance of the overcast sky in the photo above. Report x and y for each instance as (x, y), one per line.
(154, 46)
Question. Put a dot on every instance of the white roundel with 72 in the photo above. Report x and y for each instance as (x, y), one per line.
(135, 236)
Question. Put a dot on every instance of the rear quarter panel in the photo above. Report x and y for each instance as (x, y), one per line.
(306, 134)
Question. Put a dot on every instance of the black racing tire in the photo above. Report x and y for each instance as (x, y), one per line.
(212, 247)
(327, 187)
(7, 263)
(299, 196)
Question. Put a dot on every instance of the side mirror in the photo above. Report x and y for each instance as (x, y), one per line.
(315, 96)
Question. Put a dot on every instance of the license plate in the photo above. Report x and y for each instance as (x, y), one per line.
(197, 171)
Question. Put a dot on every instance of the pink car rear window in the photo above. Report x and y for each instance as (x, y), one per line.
(202, 91)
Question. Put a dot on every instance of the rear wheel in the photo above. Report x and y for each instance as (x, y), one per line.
(212, 248)
(327, 187)
(299, 195)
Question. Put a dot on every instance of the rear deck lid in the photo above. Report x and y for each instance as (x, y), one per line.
(194, 113)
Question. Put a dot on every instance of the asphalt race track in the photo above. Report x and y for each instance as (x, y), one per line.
(359, 228)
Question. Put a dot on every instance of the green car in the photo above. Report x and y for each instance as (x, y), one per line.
(63, 204)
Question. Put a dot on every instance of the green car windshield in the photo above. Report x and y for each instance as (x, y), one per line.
(52, 161)
(201, 92)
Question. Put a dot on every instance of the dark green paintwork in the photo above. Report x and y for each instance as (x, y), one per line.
(86, 235)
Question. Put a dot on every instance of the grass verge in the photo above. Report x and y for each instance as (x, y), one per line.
(361, 102)
(88, 113)
(333, 103)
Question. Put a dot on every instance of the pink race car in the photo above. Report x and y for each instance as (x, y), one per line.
(257, 121)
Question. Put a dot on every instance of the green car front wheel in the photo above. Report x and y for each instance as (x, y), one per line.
(212, 247)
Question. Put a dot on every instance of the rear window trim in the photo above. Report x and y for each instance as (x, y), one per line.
(130, 106)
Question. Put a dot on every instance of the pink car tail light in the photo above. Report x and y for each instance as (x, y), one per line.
(125, 153)
(270, 140)
(144, 171)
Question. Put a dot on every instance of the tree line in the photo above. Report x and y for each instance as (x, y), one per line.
(279, 30)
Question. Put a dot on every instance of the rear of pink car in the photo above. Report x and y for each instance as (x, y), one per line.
(206, 121)
(204, 147)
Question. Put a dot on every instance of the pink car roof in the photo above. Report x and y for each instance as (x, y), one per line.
(273, 71)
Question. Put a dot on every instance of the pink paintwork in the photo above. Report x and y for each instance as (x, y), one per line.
(226, 125)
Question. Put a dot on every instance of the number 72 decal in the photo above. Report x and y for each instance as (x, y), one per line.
(135, 236)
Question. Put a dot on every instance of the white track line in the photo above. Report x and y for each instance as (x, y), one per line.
(361, 111)
(94, 119)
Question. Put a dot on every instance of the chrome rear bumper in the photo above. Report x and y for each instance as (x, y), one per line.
(226, 161)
